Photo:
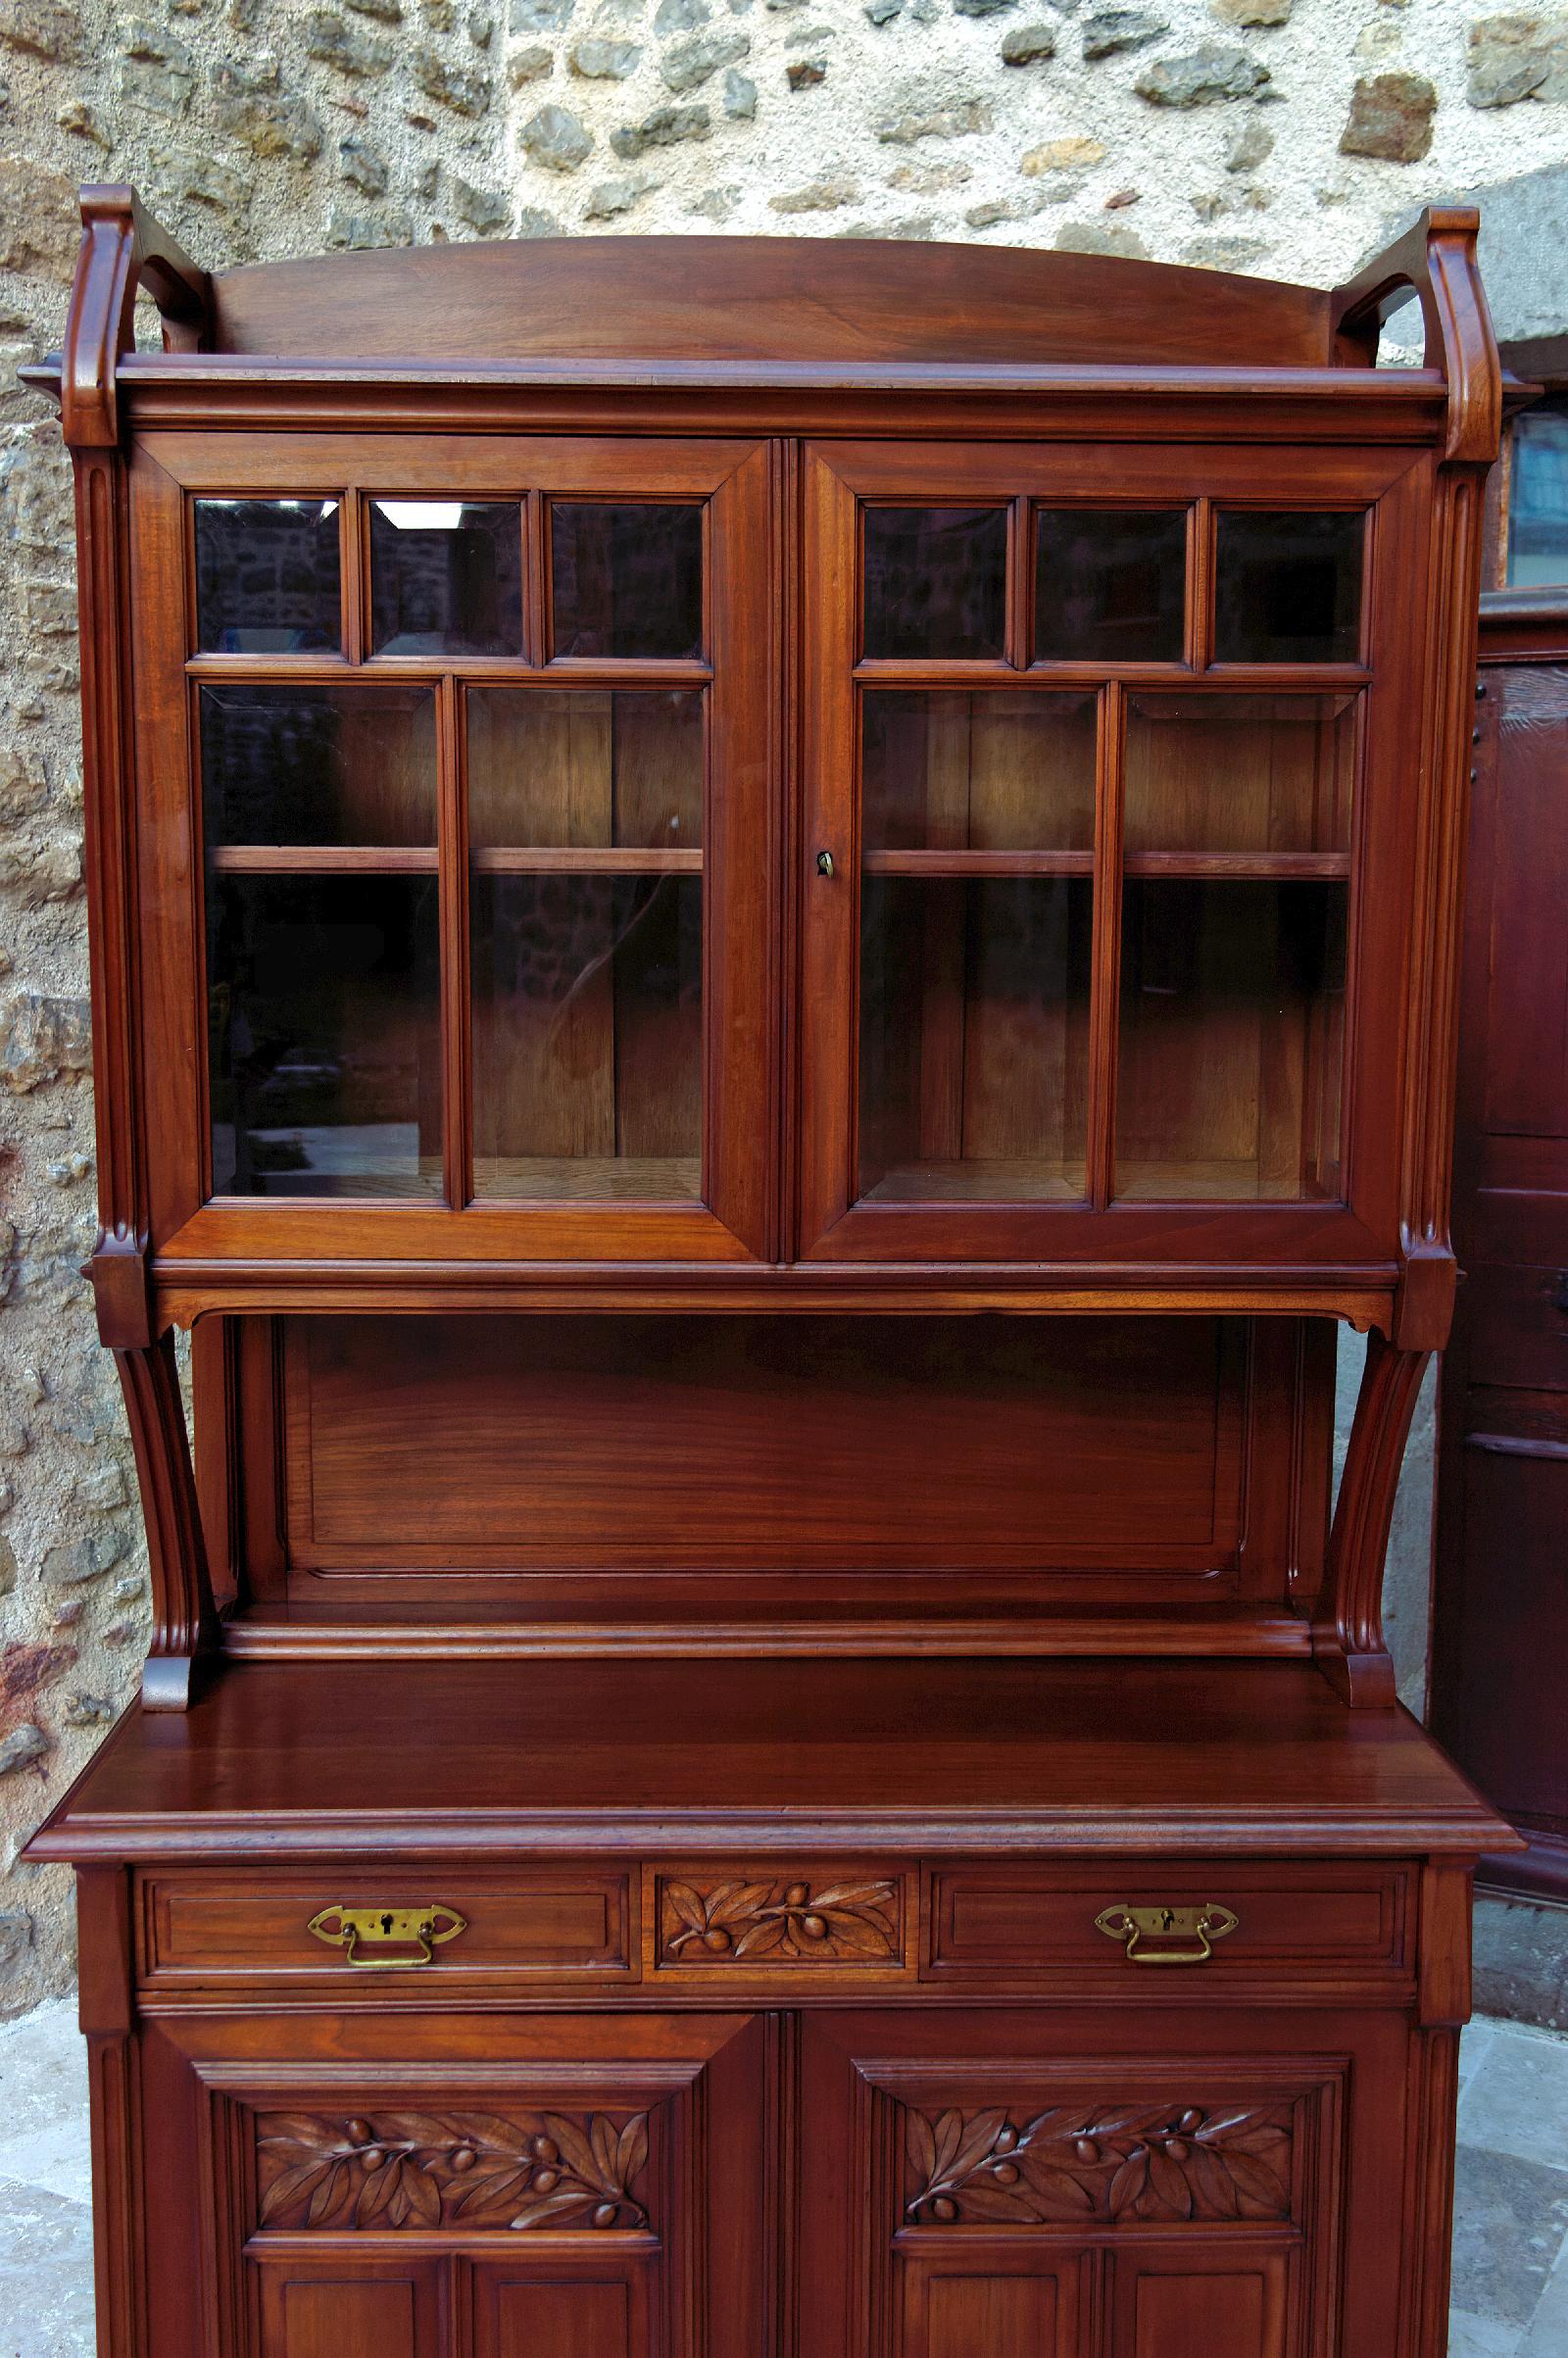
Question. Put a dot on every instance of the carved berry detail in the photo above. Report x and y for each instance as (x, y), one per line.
(1139, 2162)
(468, 2169)
(793, 1922)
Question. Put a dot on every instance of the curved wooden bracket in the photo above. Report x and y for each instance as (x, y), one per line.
(1348, 1634)
(123, 249)
(1436, 260)
(184, 1616)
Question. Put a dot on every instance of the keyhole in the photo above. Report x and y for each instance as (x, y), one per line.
(1167, 1920)
(386, 1924)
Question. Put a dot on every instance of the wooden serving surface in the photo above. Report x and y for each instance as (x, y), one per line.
(430, 1759)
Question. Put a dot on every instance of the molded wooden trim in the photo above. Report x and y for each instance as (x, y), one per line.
(184, 1617)
(1349, 1631)
(1437, 260)
(123, 249)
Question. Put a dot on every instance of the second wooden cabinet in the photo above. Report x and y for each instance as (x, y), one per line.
(1155, 2182)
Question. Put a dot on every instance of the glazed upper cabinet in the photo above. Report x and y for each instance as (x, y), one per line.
(471, 856)
(1108, 755)
(1105, 754)
(788, 792)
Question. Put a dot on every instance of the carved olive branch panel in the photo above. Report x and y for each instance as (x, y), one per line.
(792, 1921)
(468, 2169)
(1153, 2161)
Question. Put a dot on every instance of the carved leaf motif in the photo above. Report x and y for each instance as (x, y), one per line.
(737, 1921)
(426, 2170)
(1132, 2162)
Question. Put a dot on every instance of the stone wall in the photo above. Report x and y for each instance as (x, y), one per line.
(1269, 136)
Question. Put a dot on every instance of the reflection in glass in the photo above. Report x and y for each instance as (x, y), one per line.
(628, 579)
(446, 577)
(1109, 586)
(1287, 587)
(354, 765)
(324, 1036)
(948, 770)
(974, 1038)
(587, 1036)
(1538, 495)
(269, 576)
(1239, 773)
(586, 767)
(936, 581)
(1232, 1040)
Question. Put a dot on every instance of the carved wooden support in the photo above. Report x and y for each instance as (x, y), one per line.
(1347, 1636)
(1436, 261)
(123, 249)
(184, 1616)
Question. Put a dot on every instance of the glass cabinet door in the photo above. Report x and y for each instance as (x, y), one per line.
(1087, 825)
(481, 785)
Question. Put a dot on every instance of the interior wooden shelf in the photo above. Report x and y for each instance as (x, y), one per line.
(589, 1178)
(1263, 866)
(323, 860)
(1200, 1182)
(1015, 1179)
(584, 859)
(417, 860)
(977, 863)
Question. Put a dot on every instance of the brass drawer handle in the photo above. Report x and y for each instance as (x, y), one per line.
(421, 1929)
(1179, 1935)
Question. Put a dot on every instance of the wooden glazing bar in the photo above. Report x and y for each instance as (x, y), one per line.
(492, 670)
(1018, 634)
(1106, 956)
(535, 580)
(1275, 679)
(452, 827)
(356, 578)
(1199, 638)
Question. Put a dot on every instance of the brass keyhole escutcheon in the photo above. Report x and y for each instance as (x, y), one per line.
(1166, 1935)
(411, 1936)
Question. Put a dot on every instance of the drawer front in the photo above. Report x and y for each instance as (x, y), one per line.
(799, 1925)
(1161, 1930)
(396, 1930)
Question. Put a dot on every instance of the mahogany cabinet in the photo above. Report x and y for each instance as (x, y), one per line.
(775, 935)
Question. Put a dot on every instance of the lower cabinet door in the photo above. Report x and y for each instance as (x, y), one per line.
(1147, 2184)
(477, 2187)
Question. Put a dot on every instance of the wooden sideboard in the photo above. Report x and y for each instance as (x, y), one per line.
(774, 936)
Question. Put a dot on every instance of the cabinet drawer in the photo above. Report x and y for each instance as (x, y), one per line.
(389, 1930)
(798, 1925)
(1317, 1924)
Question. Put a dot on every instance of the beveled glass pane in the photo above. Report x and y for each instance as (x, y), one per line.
(269, 576)
(936, 582)
(628, 579)
(1232, 1044)
(351, 765)
(1287, 587)
(587, 767)
(587, 1036)
(1109, 586)
(323, 1035)
(1239, 773)
(1537, 496)
(945, 769)
(446, 577)
(974, 1038)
